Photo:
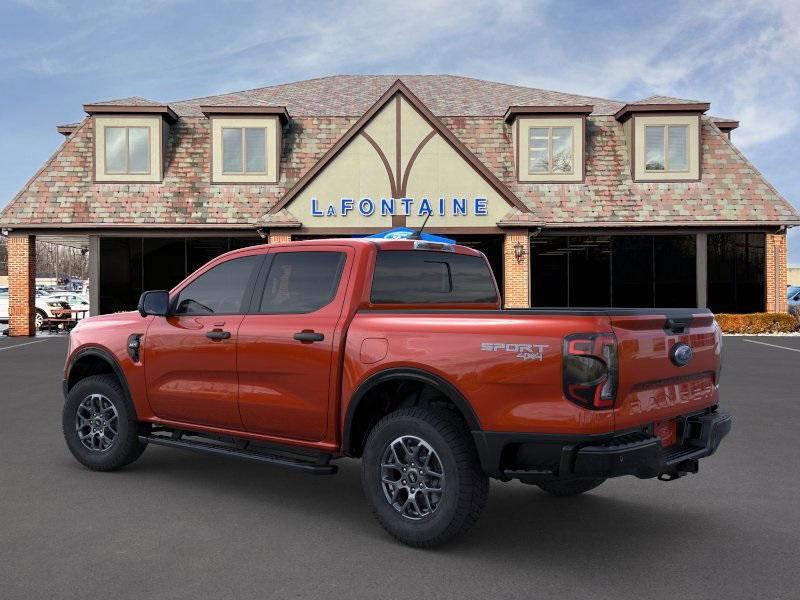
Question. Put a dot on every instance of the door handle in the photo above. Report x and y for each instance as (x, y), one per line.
(309, 336)
(218, 335)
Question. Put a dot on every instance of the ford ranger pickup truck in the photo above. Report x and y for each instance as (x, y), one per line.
(396, 352)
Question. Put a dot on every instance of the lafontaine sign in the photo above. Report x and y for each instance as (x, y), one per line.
(368, 207)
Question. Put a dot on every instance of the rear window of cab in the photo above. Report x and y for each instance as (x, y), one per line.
(425, 277)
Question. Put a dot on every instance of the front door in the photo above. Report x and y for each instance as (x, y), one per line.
(286, 345)
(190, 356)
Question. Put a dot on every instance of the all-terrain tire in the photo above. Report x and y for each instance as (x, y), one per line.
(125, 446)
(571, 487)
(465, 488)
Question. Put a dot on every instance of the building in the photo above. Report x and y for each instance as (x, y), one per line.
(576, 201)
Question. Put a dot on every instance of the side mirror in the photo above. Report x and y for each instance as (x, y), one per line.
(154, 303)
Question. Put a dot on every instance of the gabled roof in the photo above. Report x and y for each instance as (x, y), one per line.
(398, 87)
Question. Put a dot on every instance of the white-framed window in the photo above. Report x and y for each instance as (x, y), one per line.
(127, 150)
(666, 148)
(244, 150)
(550, 150)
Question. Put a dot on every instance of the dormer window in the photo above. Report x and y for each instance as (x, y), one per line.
(663, 138)
(245, 143)
(550, 150)
(244, 150)
(666, 148)
(548, 142)
(129, 140)
(127, 150)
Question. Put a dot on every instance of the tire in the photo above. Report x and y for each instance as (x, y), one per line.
(571, 487)
(39, 319)
(101, 395)
(439, 440)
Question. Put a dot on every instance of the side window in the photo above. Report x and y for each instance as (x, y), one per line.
(422, 277)
(301, 282)
(220, 290)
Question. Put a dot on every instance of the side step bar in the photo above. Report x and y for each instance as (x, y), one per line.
(319, 465)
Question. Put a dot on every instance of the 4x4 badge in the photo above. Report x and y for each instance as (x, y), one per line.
(523, 351)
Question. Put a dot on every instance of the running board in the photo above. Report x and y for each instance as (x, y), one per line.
(319, 465)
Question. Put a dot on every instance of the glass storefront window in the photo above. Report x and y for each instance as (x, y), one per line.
(128, 266)
(736, 272)
(623, 271)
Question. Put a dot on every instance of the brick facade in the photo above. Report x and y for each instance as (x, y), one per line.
(22, 284)
(516, 273)
(775, 278)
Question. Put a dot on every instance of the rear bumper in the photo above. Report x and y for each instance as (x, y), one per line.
(536, 457)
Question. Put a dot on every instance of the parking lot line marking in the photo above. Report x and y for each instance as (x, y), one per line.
(773, 345)
(25, 344)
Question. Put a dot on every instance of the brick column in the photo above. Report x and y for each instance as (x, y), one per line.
(278, 236)
(21, 284)
(516, 273)
(775, 272)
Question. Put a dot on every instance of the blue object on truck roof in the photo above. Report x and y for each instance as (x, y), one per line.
(401, 233)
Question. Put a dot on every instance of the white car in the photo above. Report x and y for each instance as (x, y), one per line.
(76, 301)
(44, 307)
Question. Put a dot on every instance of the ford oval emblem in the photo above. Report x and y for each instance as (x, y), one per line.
(681, 354)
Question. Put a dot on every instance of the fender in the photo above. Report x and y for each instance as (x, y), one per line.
(107, 357)
(414, 374)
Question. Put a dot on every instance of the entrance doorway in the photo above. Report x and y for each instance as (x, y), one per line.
(491, 246)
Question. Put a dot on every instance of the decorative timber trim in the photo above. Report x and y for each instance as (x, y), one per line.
(398, 87)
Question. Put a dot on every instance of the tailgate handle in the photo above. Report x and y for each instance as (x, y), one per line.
(677, 325)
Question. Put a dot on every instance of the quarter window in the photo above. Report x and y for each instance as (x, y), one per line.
(220, 290)
(666, 147)
(301, 282)
(550, 150)
(244, 150)
(127, 150)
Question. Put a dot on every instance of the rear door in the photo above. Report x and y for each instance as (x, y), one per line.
(190, 356)
(285, 352)
(656, 381)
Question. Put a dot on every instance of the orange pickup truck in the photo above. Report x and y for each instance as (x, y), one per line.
(396, 352)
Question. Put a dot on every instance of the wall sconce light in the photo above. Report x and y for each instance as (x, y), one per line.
(261, 233)
(519, 252)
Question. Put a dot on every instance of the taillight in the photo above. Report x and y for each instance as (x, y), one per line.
(591, 369)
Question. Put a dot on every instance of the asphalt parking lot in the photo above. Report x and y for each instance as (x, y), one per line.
(182, 525)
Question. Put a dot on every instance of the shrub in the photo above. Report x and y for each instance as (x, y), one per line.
(754, 323)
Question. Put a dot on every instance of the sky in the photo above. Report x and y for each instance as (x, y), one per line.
(742, 56)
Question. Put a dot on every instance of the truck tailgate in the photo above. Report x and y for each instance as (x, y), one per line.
(653, 388)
